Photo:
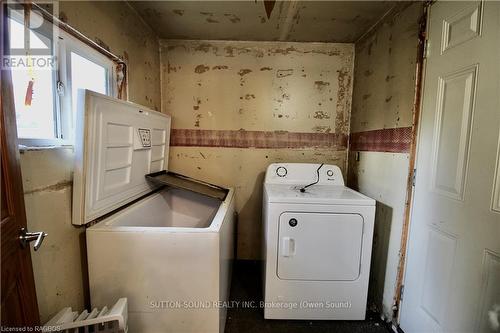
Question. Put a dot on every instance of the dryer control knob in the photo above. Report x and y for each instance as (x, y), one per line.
(281, 171)
(329, 173)
(292, 222)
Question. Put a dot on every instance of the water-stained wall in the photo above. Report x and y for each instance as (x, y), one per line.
(60, 266)
(238, 106)
(381, 133)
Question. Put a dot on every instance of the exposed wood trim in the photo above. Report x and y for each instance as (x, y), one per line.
(411, 167)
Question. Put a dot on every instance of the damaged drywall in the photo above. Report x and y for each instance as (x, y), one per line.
(381, 122)
(238, 106)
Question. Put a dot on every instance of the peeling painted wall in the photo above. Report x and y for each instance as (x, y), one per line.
(382, 111)
(238, 106)
(59, 266)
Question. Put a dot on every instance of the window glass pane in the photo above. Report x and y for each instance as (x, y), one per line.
(16, 34)
(86, 74)
(33, 93)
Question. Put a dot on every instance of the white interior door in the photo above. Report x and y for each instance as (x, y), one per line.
(452, 280)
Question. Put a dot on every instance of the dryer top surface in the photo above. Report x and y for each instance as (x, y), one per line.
(322, 184)
(316, 194)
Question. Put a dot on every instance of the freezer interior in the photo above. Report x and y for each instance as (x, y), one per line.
(169, 208)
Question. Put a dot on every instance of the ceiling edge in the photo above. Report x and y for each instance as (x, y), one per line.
(394, 10)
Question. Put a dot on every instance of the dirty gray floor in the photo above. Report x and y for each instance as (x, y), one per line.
(247, 286)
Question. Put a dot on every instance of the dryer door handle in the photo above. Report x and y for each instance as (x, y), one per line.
(287, 246)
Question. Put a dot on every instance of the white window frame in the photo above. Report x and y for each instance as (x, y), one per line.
(68, 44)
(64, 130)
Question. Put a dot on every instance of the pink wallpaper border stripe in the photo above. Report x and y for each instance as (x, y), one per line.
(256, 139)
(393, 140)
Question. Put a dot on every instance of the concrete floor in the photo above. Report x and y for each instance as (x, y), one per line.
(247, 286)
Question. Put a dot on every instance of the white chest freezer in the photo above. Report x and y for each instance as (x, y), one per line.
(162, 240)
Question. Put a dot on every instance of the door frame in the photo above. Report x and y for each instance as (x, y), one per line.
(420, 67)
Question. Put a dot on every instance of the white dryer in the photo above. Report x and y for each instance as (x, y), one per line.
(318, 242)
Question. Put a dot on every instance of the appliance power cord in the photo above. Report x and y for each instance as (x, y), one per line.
(303, 189)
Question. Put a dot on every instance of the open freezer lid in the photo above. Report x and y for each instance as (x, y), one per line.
(117, 143)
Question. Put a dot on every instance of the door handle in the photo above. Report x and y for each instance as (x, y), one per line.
(288, 247)
(27, 237)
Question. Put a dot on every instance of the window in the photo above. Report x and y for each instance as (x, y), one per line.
(86, 74)
(81, 67)
(33, 91)
(46, 100)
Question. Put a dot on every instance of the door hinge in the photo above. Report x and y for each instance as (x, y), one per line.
(401, 292)
(426, 48)
(414, 177)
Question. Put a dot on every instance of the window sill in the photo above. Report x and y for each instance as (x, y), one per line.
(24, 148)
(41, 144)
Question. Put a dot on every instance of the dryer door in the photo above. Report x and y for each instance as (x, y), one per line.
(319, 246)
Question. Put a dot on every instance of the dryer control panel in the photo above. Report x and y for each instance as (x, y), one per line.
(303, 173)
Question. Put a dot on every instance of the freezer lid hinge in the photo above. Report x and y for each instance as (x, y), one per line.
(414, 177)
(401, 292)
